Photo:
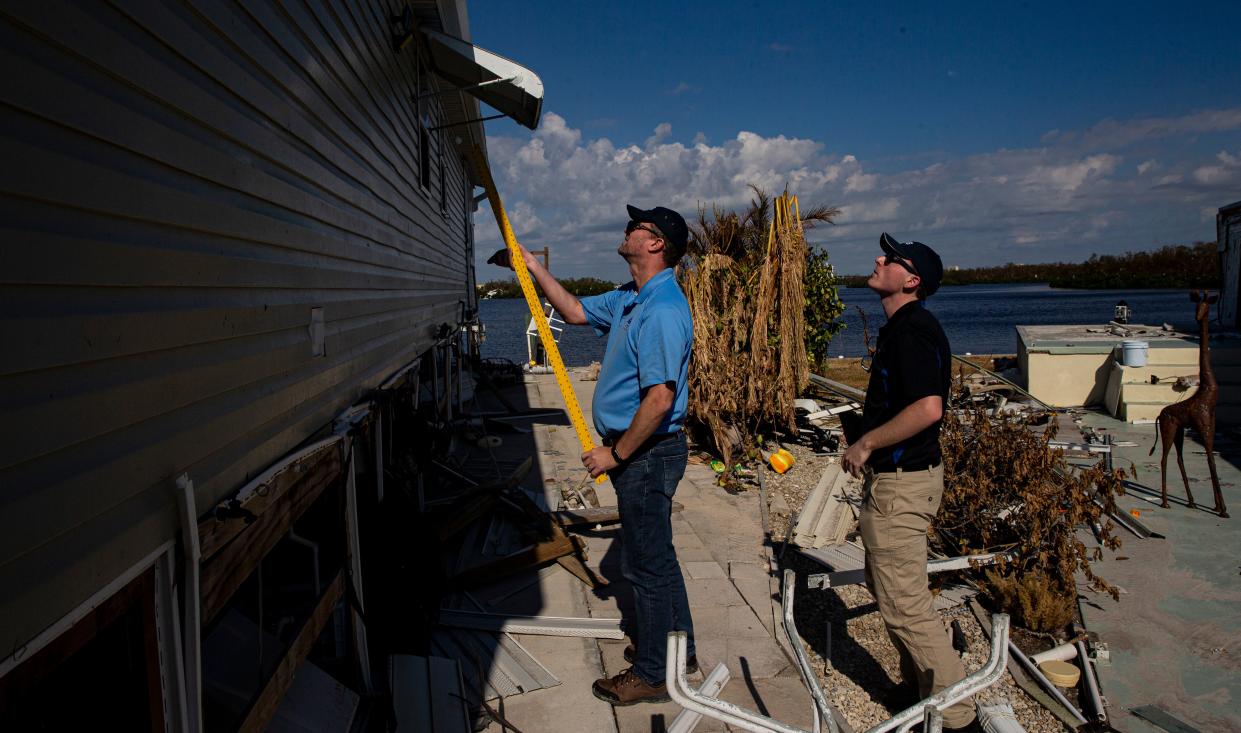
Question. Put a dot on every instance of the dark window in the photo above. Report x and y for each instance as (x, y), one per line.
(467, 201)
(443, 177)
(422, 109)
(424, 154)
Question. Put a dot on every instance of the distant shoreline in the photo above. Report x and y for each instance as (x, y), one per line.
(1170, 267)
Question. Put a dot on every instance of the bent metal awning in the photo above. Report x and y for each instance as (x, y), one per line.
(509, 87)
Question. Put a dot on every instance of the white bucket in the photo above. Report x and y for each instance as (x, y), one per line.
(1133, 353)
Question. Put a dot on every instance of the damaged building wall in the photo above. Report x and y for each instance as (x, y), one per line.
(220, 231)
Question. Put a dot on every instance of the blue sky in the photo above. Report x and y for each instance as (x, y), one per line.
(994, 132)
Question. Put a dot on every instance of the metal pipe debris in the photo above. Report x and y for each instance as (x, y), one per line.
(928, 711)
(799, 651)
(1091, 684)
(853, 577)
(691, 699)
(1043, 682)
(958, 691)
(686, 720)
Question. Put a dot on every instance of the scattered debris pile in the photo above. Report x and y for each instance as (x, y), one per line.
(1015, 499)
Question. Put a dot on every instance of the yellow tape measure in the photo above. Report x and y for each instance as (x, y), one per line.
(535, 305)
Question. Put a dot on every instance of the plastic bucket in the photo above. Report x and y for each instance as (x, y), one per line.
(1133, 353)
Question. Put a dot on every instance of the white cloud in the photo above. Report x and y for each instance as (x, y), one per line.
(1114, 134)
(1069, 176)
(1226, 171)
(682, 88)
(860, 182)
(569, 193)
(662, 131)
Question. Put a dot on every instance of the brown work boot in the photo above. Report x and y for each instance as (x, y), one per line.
(628, 688)
(691, 664)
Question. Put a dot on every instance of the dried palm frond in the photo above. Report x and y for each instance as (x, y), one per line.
(743, 277)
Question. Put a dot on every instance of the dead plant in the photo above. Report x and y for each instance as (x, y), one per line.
(1007, 489)
(744, 278)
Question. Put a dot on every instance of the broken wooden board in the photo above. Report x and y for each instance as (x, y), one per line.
(569, 518)
(264, 709)
(311, 466)
(223, 573)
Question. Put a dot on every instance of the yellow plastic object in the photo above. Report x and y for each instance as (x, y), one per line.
(1061, 674)
(782, 460)
(536, 307)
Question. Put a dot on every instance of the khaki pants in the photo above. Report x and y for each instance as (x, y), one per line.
(895, 515)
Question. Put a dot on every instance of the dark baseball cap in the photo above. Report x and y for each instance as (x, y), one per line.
(930, 268)
(668, 221)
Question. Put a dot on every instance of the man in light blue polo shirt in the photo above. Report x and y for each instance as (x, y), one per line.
(639, 408)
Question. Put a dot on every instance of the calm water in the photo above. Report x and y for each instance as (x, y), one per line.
(979, 319)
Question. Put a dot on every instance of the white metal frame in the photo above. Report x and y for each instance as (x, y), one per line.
(192, 560)
(929, 711)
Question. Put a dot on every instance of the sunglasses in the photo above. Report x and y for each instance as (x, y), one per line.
(635, 225)
(889, 258)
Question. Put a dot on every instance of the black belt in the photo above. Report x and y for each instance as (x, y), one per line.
(646, 445)
(906, 468)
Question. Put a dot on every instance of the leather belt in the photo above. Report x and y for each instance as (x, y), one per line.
(655, 438)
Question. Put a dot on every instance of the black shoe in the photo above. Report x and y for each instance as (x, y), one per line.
(691, 664)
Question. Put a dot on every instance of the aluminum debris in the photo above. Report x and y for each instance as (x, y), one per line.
(1158, 717)
(828, 514)
(999, 718)
(597, 628)
(687, 720)
(495, 664)
(856, 576)
(427, 694)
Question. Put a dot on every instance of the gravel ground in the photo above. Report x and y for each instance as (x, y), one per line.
(865, 664)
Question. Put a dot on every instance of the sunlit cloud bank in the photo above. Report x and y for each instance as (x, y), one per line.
(1114, 187)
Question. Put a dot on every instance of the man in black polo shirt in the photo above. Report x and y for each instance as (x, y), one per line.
(898, 452)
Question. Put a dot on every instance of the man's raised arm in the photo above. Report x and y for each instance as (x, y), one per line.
(565, 303)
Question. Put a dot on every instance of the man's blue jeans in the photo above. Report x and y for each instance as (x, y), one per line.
(644, 489)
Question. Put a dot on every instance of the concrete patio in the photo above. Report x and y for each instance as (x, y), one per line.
(1175, 635)
(719, 541)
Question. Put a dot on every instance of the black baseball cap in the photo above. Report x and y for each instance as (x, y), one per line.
(668, 221)
(930, 268)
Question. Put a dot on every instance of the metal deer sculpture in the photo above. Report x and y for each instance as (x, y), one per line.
(1197, 412)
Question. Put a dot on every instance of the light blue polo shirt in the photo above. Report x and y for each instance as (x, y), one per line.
(650, 333)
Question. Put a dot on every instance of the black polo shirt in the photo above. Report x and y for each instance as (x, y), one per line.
(912, 360)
